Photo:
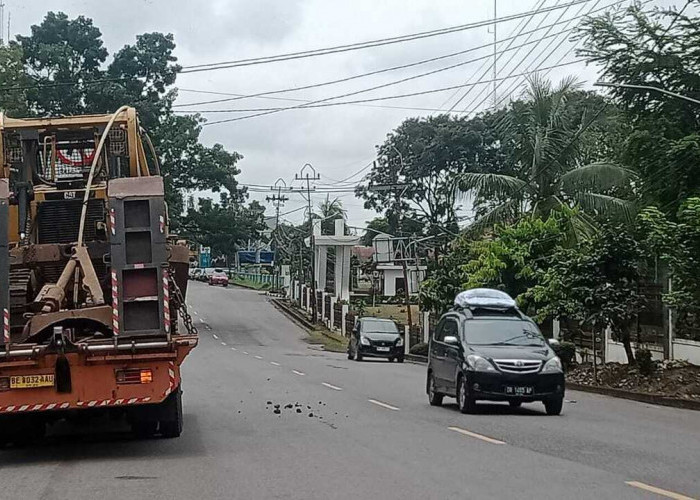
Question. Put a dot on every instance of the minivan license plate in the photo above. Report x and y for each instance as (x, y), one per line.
(519, 391)
(383, 349)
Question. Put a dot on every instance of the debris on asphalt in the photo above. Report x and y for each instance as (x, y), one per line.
(311, 414)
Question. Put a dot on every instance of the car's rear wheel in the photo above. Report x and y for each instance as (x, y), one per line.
(434, 397)
(553, 406)
(399, 359)
(515, 404)
(466, 403)
(391, 359)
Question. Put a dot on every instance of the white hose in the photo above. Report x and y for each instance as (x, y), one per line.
(95, 159)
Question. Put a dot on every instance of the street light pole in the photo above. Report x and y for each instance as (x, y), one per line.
(646, 87)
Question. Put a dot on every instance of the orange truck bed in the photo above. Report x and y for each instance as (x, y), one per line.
(28, 380)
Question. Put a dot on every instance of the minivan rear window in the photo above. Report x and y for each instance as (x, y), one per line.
(499, 331)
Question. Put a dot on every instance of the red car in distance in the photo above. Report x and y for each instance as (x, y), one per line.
(218, 277)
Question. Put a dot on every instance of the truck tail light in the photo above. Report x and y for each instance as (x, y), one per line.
(135, 376)
(4, 384)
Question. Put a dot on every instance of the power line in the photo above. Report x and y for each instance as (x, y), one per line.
(520, 29)
(341, 103)
(236, 97)
(359, 45)
(471, 103)
(62, 84)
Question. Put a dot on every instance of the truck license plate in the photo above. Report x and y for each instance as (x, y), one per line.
(31, 381)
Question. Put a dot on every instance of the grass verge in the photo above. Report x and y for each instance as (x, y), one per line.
(330, 341)
(250, 284)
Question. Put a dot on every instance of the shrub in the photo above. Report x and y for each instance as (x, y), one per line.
(566, 352)
(420, 349)
(644, 361)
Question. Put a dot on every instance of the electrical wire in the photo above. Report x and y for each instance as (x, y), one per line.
(359, 45)
(371, 73)
(519, 63)
(496, 59)
(342, 103)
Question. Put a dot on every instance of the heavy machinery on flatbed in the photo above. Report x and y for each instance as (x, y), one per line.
(91, 284)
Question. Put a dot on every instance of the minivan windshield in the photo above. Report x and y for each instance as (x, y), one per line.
(501, 331)
(372, 326)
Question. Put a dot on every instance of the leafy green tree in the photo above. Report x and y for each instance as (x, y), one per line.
(510, 258)
(416, 170)
(62, 56)
(223, 226)
(13, 94)
(656, 48)
(545, 139)
(594, 283)
(677, 244)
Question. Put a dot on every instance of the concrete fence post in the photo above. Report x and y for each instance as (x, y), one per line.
(343, 316)
(426, 326)
(556, 328)
(323, 306)
(308, 298)
(406, 340)
(332, 314)
(606, 347)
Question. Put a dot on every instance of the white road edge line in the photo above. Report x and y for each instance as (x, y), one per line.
(195, 313)
(383, 405)
(298, 373)
(331, 386)
(258, 357)
(274, 364)
(475, 435)
(215, 336)
(658, 491)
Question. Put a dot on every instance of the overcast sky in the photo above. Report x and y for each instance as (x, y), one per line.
(339, 140)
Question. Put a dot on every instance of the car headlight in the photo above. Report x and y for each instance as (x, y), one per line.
(553, 366)
(479, 364)
(364, 341)
(399, 342)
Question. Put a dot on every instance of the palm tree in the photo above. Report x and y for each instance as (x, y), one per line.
(544, 135)
(330, 210)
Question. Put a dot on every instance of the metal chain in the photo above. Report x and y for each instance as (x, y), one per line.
(181, 305)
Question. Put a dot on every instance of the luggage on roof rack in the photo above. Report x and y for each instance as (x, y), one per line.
(484, 298)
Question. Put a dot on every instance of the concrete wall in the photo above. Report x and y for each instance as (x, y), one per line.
(616, 352)
(687, 349)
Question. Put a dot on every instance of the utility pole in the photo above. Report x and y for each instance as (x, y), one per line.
(308, 174)
(495, 40)
(2, 24)
(278, 201)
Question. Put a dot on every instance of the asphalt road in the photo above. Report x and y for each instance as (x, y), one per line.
(365, 430)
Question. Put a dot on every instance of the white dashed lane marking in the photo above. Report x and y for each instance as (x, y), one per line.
(234, 349)
(274, 363)
(331, 386)
(258, 357)
(215, 336)
(658, 491)
(476, 436)
(223, 343)
(383, 405)
(245, 353)
(296, 372)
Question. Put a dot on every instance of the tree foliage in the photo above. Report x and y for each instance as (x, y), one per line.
(657, 48)
(68, 71)
(594, 284)
(13, 81)
(419, 162)
(545, 141)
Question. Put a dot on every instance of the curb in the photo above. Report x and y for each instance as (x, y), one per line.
(295, 317)
(416, 358)
(298, 318)
(655, 399)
